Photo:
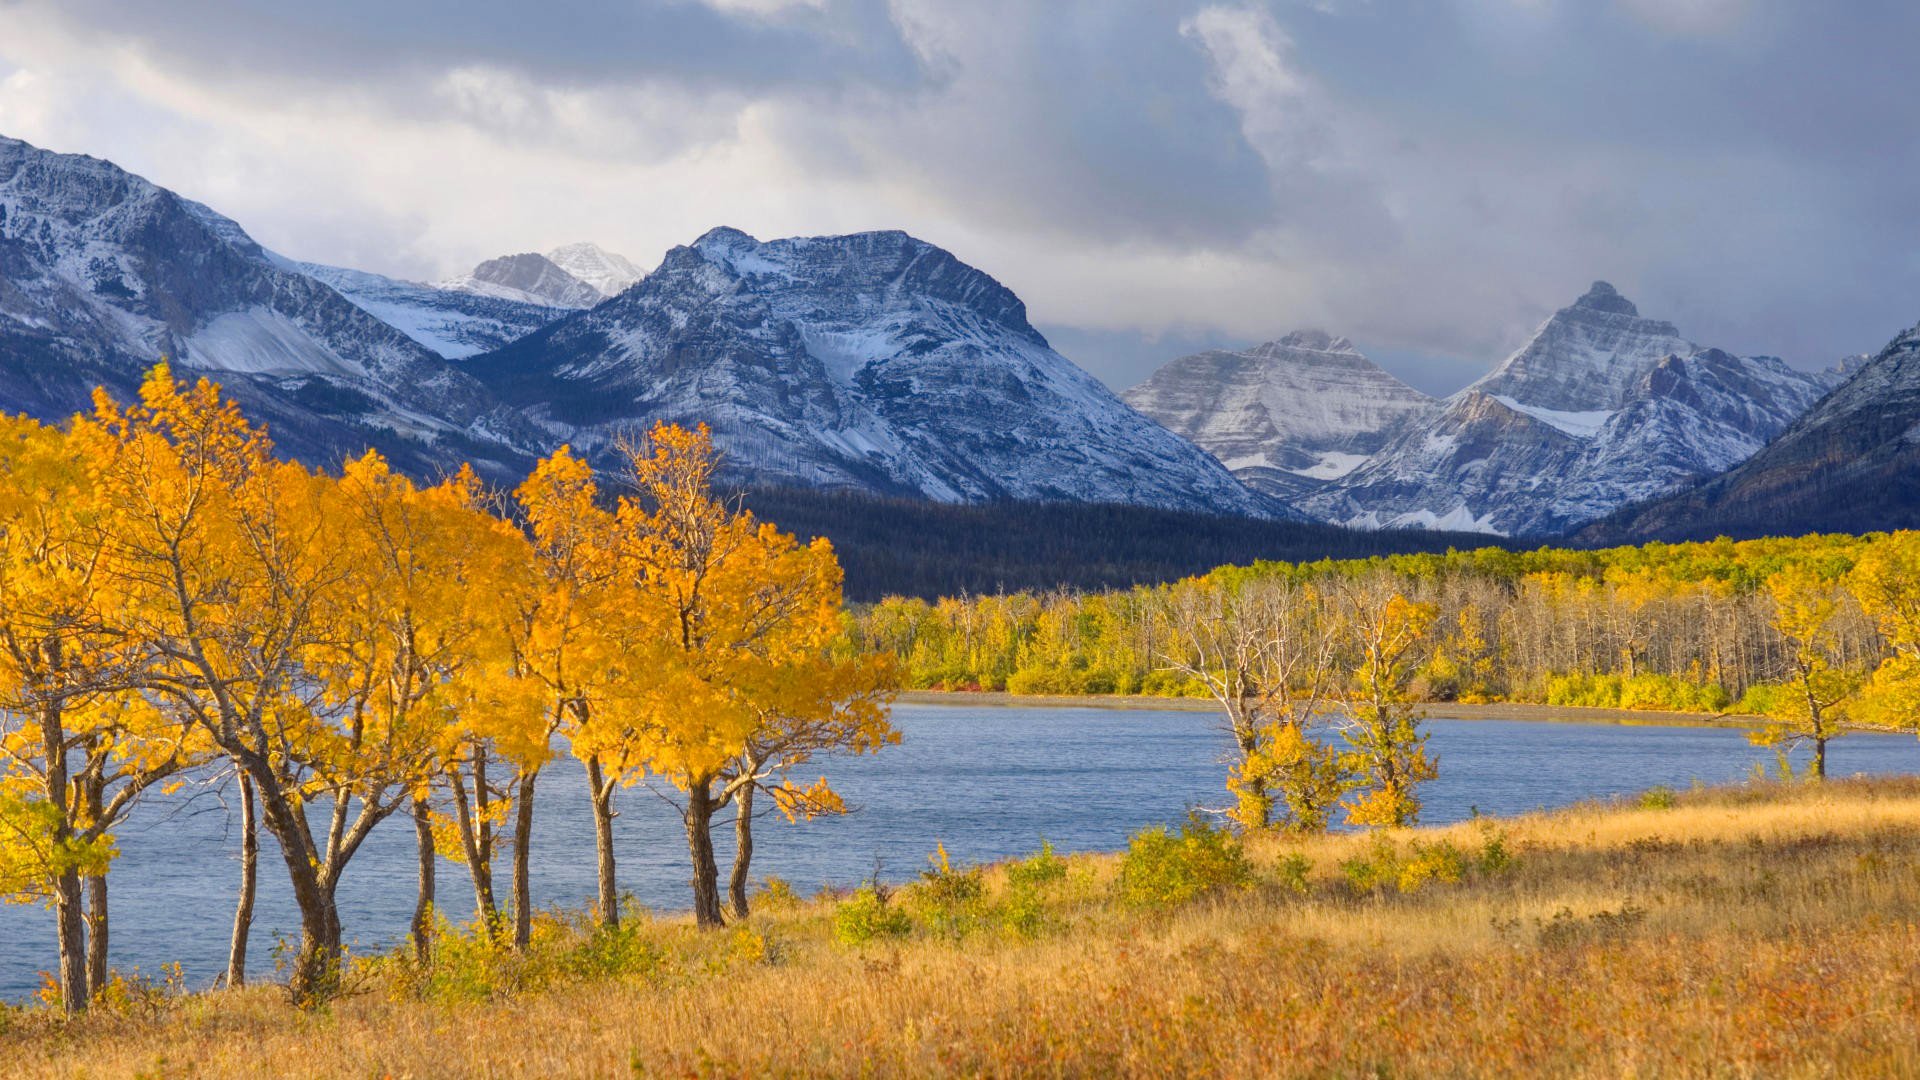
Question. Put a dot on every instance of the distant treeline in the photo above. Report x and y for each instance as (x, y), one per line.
(1712, 627)
(910, 547)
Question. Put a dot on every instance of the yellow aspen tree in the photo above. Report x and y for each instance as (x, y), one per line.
(560, 644)
(78, 744)
(1260, 649)
(1387, 749)
(739, 688)
(1886, 582)
(231, 571)
(410, 619)
(1807, 611)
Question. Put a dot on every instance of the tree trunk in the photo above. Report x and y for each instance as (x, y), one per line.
(97, 937)
(423, 903)
(69, 913)
(706, 873)
(601, 793)
(71, 922)
(316, 968)
(522, 845)
(249, 883)
(742, 852)
(476, 840)
(1820, 757)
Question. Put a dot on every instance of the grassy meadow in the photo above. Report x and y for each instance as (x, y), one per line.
(1765, 930)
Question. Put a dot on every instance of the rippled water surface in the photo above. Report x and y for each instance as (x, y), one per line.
(988, 782)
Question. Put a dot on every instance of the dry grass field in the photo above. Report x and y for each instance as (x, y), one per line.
(1760, 931)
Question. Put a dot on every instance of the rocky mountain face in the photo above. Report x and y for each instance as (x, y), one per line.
(1601, 408)
(872, 362)
(1287, 416)
(454, 323)
(1851, 463)
(526, 278)
(608, 273)
(103, 273)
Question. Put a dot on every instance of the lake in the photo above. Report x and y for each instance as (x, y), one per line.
(988, 782)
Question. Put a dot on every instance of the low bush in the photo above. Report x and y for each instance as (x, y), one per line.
(1163, 868)
(867, 915)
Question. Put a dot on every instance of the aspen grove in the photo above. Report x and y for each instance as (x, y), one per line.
(351, 647)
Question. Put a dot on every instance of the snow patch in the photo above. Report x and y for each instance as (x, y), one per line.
(1332, 465)
(260, 341)
(1581, 425)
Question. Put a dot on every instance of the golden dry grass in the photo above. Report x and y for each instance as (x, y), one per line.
(1772, 931)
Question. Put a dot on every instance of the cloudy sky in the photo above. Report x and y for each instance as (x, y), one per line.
(1428, 177)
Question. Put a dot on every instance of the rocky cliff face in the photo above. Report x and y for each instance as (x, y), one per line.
(453, 323)
(873, 361)
(1851, 463)
(1599, 409)
(1287, 416)
(526, 278)
(102, 274)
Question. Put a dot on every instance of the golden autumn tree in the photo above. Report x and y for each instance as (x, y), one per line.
(230, 570)
(79, 745)
(561, 643)
(1886, 583)
(740, 685)
(412, 618)
(1387, 750)
(1808, 609)
(1262, 650)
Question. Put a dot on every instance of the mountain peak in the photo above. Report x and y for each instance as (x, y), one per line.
(530, 278)
(1604, 297)
(611, 274)
(1315, 340)
(724, 238)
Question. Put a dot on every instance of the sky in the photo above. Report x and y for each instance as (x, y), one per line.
(1430, 178)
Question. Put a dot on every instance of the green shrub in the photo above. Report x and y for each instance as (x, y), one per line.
(1293, 873)
(1440, 862)
(867, 915)
(1658, 798)
(949, 901)
(1041, 868)
(776, 894)
(1494, 856)
(1163, 869)
(1024, 911)
(1379, 867)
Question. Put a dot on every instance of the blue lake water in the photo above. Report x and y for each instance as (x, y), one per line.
(988, 782)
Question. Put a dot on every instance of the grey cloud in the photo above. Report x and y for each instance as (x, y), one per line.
(1429, 177)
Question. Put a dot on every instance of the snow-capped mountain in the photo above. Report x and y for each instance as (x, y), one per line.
(1602, 407)
(609, 273)
(1851, 463)
(1285, 416)
(526, 278)
(873, 361)
(1585, 359)
(102, 274)
(454, 323)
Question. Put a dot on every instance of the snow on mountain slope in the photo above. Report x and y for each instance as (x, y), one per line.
(454, 323)
(1586, 357)
(873, 361)
(609, 273)
(1599, 409)
(1851, 463)
(1285, 416)
(102, 274)
(526, 278)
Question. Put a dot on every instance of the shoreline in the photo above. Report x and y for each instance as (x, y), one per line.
(1443, 710)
